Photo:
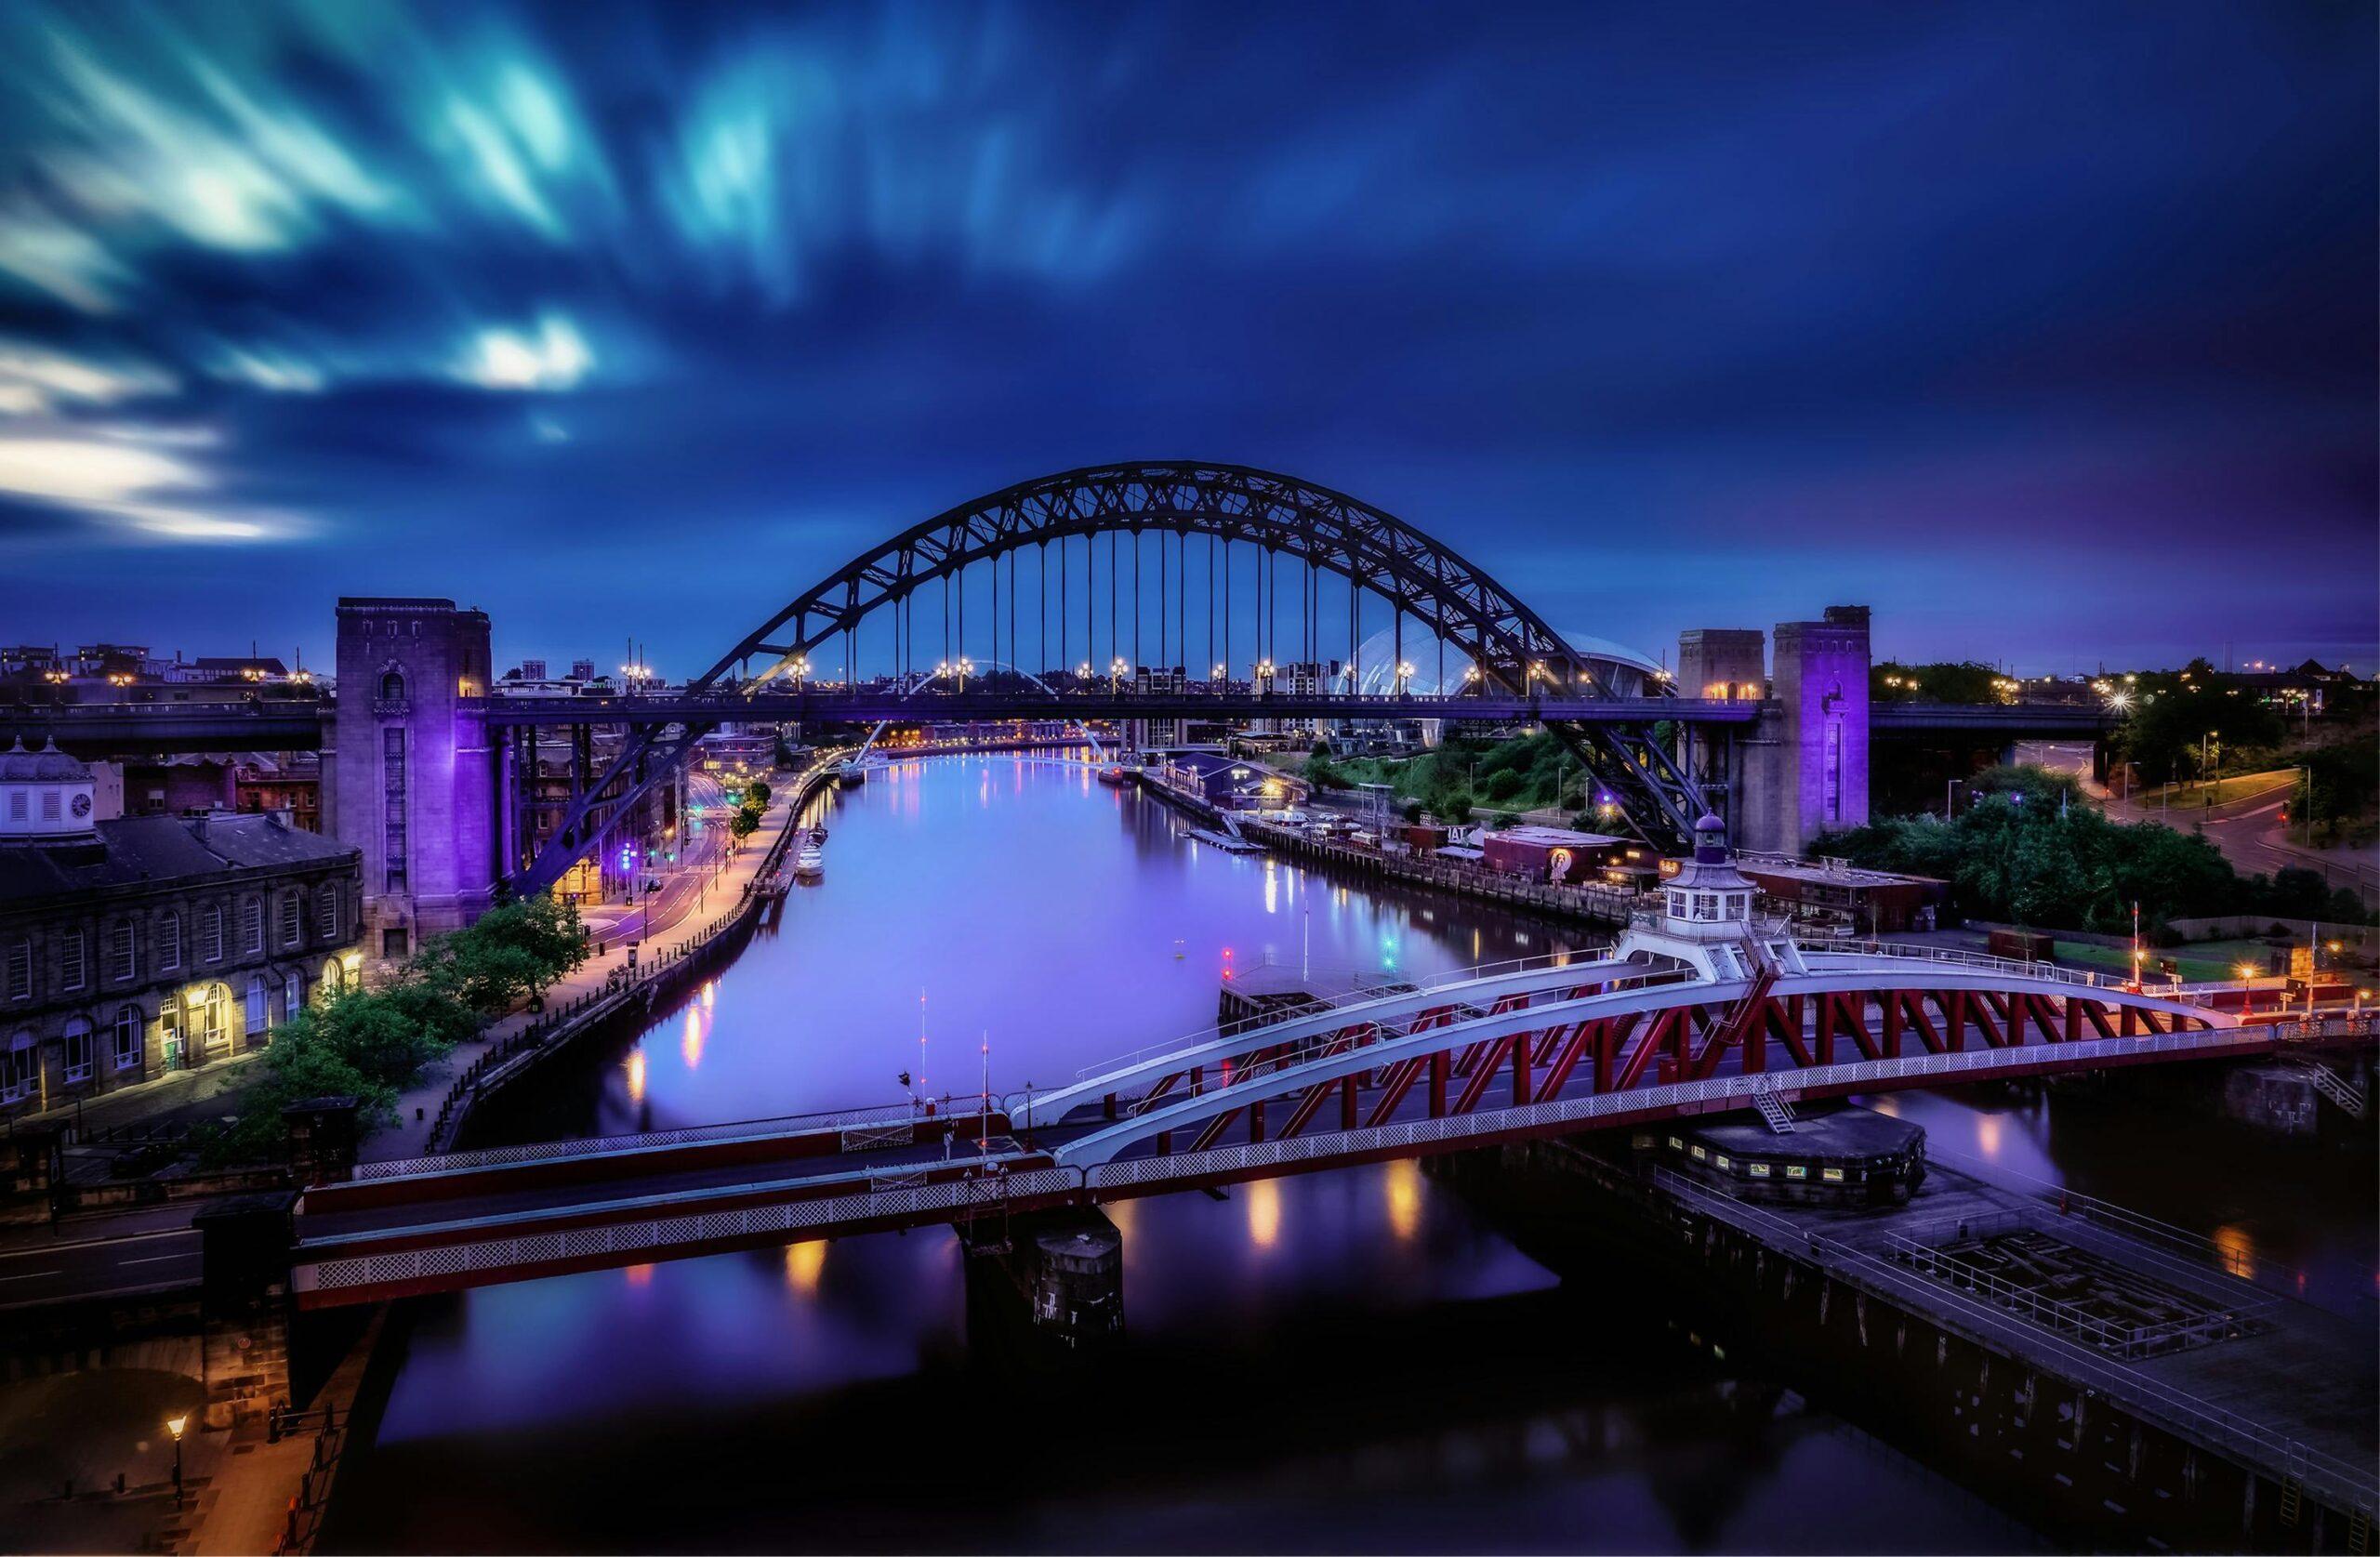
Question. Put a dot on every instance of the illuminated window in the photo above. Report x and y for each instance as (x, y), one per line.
(259, 1018)
(1700, 1154)
(1757, 1169)
(1720, 1160)
(1795, 1170)
(1832, 1175)
(1676, 1144)
(293, 995)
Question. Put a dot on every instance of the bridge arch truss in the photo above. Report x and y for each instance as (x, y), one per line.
(1448, 598)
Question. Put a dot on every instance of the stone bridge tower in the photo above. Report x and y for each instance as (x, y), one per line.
(1801, 768)
(409, 773)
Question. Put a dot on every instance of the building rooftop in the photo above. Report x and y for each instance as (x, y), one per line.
(135, 851)
(1556, 837)
(1793, 868)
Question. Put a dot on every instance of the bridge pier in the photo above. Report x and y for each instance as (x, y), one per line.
(244, 1306)
(1049, 1284)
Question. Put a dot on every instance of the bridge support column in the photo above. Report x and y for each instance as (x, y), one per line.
(1054, 1285)
(244, 1306)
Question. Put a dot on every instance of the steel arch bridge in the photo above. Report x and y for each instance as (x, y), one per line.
(1317, 529)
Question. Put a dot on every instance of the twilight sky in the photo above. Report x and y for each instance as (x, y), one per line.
(2047, 330)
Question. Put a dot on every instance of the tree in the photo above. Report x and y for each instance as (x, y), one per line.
(1501, 785)
(758, 792)
(745, 822)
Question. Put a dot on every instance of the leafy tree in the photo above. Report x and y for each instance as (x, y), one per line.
(782, 755)
(745, 823)
(1502, 784)
(758, 792)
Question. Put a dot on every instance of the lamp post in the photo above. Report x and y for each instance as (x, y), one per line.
(175, 1425)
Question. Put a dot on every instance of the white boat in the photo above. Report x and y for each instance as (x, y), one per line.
(810, 860)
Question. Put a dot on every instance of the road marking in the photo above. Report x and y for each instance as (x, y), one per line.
(28, 1275)
(155, 1258)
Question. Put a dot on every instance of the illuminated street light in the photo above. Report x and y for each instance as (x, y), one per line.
(175, 1425)
(1404, 674)
(1264, 676)
(1115, 669)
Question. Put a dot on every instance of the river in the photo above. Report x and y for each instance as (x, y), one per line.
(1351, 1360)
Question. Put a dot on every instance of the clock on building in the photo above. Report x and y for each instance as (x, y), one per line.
(81, 805)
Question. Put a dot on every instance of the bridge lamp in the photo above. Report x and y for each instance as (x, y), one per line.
(1083, 671)
(1404, 674)
(1217, 672)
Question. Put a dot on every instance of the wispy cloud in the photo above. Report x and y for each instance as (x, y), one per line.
(549, 355)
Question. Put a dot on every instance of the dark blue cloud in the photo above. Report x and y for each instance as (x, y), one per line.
(2049, 332)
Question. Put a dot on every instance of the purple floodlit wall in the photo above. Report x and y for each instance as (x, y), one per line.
(1820, 680)
(409, 777)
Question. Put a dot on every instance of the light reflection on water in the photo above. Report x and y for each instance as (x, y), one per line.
(1073, 922)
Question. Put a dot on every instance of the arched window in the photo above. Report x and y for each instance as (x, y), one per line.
(258, 1017)
(169, 942)
(293, 996)
(334, 978)
(20, 1067)
(293, 918)
(127, 1037)
(124, 952)
(326, 911)
(206, 1017)
(392, 686)
(210, 933)
(78, 1050)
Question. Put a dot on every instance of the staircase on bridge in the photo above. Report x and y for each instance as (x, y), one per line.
(2335, 1087)
(1774, 1111)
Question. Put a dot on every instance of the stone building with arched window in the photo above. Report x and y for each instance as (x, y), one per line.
(141, 946)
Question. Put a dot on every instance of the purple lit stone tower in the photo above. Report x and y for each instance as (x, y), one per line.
(1801, 768)
(409, 768)
(1820, 682)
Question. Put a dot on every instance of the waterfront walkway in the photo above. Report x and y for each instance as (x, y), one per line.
(417, 1109)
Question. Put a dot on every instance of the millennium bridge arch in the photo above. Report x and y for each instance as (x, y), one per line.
(1318, 531)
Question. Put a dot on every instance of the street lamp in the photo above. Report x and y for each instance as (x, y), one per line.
(175, 1425)
(965, 665)
(1216, 675)
(1264, 678)
(1404, 674)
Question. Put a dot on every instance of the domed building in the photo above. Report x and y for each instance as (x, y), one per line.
(134, 946)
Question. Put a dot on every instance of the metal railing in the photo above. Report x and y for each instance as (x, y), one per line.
(1428, 984)
(1960, 957)
(2351, 1487)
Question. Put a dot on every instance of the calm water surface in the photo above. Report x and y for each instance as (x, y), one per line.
(1349, 1360)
